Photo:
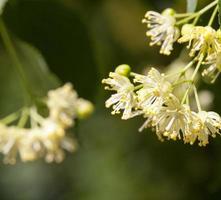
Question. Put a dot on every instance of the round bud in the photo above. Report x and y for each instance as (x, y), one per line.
(84, 108)
(187, 28)
(169, 12)
(123, 70)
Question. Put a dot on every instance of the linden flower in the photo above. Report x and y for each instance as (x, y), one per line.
(9, 143)
(212, 72)
(62, 104)
(14, 140)
(47, 141)
(205, 124)
(12, 143)
(153, 92)
(52, 139)
(45, 137)
(172, 119)
(202, 40)
(124, 99)
(162, 30)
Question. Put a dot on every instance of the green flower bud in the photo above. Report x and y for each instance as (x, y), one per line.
(123, 70)
(84, 108)
(169, 12)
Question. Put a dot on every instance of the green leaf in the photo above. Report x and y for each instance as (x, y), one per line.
(191, 5)
(36, 69)
(39, 78)
(2, 5)
(62, 37)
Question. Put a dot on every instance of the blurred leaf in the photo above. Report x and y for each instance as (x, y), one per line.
(2, 4)
(39, 78)
(36, 69)
(10, 87)
(62, 37)
(191, 5)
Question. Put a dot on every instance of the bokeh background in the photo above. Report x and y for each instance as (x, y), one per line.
(81, 41)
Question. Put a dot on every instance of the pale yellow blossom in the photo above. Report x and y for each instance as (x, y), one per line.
(62, 105)
(173, 119)
(124, 99)
(203, 41)
(154, 89)
(162, 29)
(213, 67)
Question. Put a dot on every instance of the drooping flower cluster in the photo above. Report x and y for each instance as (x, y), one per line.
(170, 103)
(204, 42)
(46, 136)
(153, 98)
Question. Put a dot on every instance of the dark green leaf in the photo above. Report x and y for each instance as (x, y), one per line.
(40, 80)
(62, 37)
(2, 5)
(36, 69)
(191, 5)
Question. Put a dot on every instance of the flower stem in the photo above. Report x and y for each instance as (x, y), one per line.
(181, 15)
(12, 53)
(197, 14)
(24, 118)
(182, 82)
(197, 98)
(10, 118)
(181, 72)
(196, 20)
(213, 16)
(197, 67)
(132, 74)
(37, 119)
(193, 78)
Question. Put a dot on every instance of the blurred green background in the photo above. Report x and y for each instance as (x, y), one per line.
(81, 41)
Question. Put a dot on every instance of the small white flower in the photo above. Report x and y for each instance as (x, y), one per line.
(162, 29)
(62, 104)
(213, 70)
(153, 92)
(9, 143)
(205, 124)
(203, 41)
(124, 99)
(173, 119)
(48, 140)
(65, 105)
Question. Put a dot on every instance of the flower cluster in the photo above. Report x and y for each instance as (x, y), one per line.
(170, 103)
(46, 136)
(204, 42)
(152, 97)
